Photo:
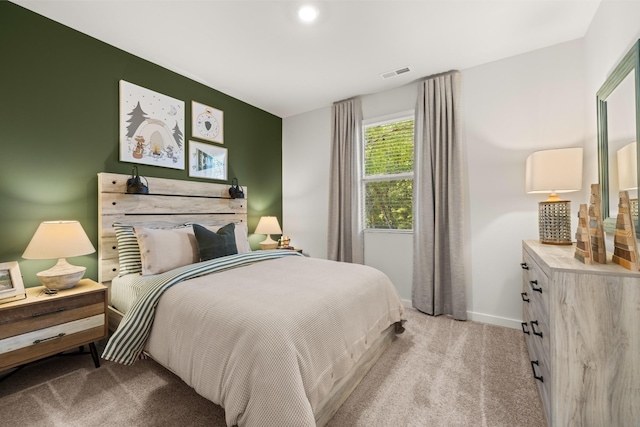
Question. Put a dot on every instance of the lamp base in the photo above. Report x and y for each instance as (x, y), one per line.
(61, 276)
(268, 243)
(554, 222)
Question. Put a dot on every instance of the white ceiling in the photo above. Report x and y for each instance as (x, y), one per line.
(258, 52)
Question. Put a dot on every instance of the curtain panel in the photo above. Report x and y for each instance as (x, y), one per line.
(439, 193)
(345, 232)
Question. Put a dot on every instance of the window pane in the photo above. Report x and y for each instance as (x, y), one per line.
(388, 148)
(388, 204)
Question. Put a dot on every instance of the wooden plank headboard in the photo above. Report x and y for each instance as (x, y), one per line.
(169, 202)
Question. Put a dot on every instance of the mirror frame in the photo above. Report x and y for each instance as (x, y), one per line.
(630, 62)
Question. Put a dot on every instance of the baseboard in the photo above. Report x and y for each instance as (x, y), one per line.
(482, 318)
(494, 320)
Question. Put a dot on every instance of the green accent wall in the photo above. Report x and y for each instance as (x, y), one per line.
(59, 115)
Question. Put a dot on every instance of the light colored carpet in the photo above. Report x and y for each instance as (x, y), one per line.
(440, 372)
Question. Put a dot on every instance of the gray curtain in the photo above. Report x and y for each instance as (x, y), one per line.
(345, 234)
(438, 191)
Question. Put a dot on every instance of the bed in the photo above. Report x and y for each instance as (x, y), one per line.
(273, 337)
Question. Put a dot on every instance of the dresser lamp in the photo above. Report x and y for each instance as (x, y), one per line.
(59, 239)
(553, 172)
(268, 225)
(628, 174)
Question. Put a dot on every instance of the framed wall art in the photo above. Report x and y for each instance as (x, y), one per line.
(207, 161)
(11, 286)
(207, 123)
(151, 127)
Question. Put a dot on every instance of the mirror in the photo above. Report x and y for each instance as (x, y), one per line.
(618, 104)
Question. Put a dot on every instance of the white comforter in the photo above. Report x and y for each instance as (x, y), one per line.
(267, 341)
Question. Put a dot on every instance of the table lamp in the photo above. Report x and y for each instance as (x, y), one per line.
(554, 171)
(628, 173)
(59, 239)
(268, 225)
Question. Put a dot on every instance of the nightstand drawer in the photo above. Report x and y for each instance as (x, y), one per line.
(51, 333)
(26, 318)
(46, 305)
(49, 347)
(43, 325)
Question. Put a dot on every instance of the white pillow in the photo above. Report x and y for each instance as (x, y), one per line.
(242, 238)
(165, 249)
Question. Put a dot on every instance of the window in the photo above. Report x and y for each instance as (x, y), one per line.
(387, 174)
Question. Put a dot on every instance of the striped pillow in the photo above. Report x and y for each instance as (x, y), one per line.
(128, 249)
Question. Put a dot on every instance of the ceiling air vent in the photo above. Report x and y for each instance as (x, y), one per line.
(394, 73)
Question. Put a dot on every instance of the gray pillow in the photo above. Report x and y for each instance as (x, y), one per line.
(215, 245)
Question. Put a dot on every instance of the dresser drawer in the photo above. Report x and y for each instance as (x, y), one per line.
(535, 294)
(535, 283)
(541, 370)
(537, 335)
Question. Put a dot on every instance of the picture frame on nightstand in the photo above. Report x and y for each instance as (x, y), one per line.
(11, 285)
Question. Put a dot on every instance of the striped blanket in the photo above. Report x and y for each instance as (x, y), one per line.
(127, 342)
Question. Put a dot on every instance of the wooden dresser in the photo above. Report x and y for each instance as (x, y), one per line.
(582, 327)
(43, 325)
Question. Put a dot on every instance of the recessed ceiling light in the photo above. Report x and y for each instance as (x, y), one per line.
(307, 13)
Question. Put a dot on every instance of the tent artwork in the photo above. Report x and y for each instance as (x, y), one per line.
(151, 127)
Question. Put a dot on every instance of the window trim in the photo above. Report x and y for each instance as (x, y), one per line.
(363, 180)
(389, 118)
(387, 177)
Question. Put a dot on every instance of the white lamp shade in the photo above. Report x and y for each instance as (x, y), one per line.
(58, 239)
(554, 171)
(628, 167)
(268, 225)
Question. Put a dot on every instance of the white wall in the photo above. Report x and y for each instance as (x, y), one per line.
(512, 107)
(306, 143)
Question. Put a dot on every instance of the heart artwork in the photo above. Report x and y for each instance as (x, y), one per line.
(207, 124)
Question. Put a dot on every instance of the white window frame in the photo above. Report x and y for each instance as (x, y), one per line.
(380, 121)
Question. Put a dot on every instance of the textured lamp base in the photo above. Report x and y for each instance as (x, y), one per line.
(554, 222)
(61, 276)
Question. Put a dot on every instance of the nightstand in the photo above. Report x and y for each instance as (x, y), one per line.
(44, 325)
(291, 249)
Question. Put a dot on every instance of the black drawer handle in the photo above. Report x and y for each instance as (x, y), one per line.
(44, 313)
(524, 297)
(524, 326)
(533, 368)
(534, 323)
(60, 335)
(524, 266)
(533, 284)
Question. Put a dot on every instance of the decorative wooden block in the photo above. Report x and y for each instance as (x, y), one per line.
(625, 251)
(596, 229)
(583, 237)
